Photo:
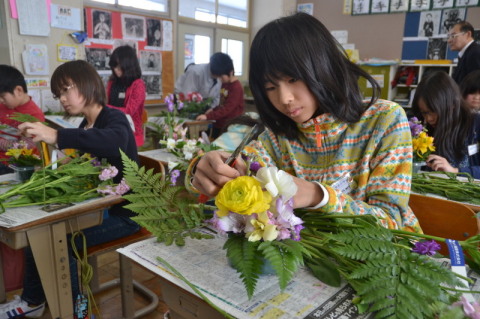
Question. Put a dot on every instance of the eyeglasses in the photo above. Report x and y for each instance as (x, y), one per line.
(454, 35)
(64, 91)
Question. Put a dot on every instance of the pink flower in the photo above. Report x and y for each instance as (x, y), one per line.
(108, 173)
(122, 187)
(471, 310)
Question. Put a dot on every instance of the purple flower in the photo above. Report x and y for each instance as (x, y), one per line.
(415, 126)
(428, 248)
(174, 175)
(471, 310)
(180, 105)
(255, 166)
(96, 163)
(108, 173)
(122, 187)
(108, 190)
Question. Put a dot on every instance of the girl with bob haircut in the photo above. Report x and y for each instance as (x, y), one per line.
(320, 130)
(455, 129)
(126, 89)
(103, 133)
(470, 88)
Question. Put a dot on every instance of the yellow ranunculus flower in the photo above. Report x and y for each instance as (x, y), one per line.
(242, 195)
(423, 144)
(262, 229)
(15, 152)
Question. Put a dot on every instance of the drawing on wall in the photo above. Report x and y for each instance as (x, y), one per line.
(429, 23)
(442, 4)
(98, 57)
(133, 27)
(102, 24)
(437, 48)
(466, 3)
(153, 84)
(35, 59)
(120, 42)
(305, 7)
(450, 17)
(398, 5)
(379, 6)
(361, 6)
(154, 33)
(419, 5)
(167, 35)
(151, 61)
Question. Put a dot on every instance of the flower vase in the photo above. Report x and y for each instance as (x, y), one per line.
(23, 173)
(417, 166)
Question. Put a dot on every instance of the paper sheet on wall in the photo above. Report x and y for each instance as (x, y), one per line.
(33, 17)
(35, 59)
(66, 17)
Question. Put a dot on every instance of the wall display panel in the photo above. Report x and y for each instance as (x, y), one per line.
(361, 7)
(151, 37)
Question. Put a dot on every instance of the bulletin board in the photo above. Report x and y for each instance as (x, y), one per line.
(152, 37)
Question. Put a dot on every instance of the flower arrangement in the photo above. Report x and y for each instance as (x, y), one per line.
(421, 142)
(21, 154)
(79, 179)
(392, 271)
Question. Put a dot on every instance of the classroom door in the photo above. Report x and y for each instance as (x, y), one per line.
(195, 45)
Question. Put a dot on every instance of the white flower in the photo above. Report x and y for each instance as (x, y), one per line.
(172, 165)
(171, 143)
(277, 182)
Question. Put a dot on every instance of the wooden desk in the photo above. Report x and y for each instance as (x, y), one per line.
(47, 237)
(204, 264)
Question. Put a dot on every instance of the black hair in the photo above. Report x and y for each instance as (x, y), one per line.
(85, 78)
(442, 96)
(221, 64)
(301, 47)
(10, 78)
(470, 83)
(466, 27)
(126, 57)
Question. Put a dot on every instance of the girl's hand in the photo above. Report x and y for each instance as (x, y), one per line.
(201, 117)
(308, 194)
(438, 163)
(38, 132)
(212, 173)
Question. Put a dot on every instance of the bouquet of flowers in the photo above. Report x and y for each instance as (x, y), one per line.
(21, 154)
(421, 142)
(79, 179)
(392, 271)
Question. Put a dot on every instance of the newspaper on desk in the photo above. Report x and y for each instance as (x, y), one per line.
(203, 263)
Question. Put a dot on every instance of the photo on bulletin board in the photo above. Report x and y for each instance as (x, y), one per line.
(444, 4)
(98, 57)
(66, 52)
(151, 61)
(153, 84)
(154, 33)
(419, 5)
(437, 48)
(133, 27)
(360, 7)
(398, 6)
(429, 23)
(379, 6)
(102, 24)
(450, 17)
(119, 42)
(466, 3)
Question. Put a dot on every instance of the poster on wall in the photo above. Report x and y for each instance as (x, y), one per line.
(444, 4)
(167, 36)
(102, 26)
(305, 7)
(33, 17)
(437, 48)
(379, 6)
(151, 61)
(419, 5)
(98, 57)
(65, 17)
(133, 27)
(154, 34)
(35, 59)
(398, 5)
(466, 3)
(450, 17)
(361, 7)
(429, 23)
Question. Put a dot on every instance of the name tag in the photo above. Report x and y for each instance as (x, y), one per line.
(121, 95)
(473, 149)
(344, 184)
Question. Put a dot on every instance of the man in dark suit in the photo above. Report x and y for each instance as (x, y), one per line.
(460, 38)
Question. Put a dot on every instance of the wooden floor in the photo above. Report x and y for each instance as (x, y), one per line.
(109, 302)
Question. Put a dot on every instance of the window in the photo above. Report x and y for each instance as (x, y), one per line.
(230, 12)
(151, 5)
(234, 49)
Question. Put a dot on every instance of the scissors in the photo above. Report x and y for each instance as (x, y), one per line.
(232, 159)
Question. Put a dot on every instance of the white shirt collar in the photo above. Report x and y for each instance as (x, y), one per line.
(462, 51)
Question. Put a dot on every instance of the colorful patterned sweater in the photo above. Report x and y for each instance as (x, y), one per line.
(376, 152)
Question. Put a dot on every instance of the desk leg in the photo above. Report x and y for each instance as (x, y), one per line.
(50, 250)
(3, 295)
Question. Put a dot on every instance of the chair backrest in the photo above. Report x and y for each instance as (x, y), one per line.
(444, 218)
(149, 163)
